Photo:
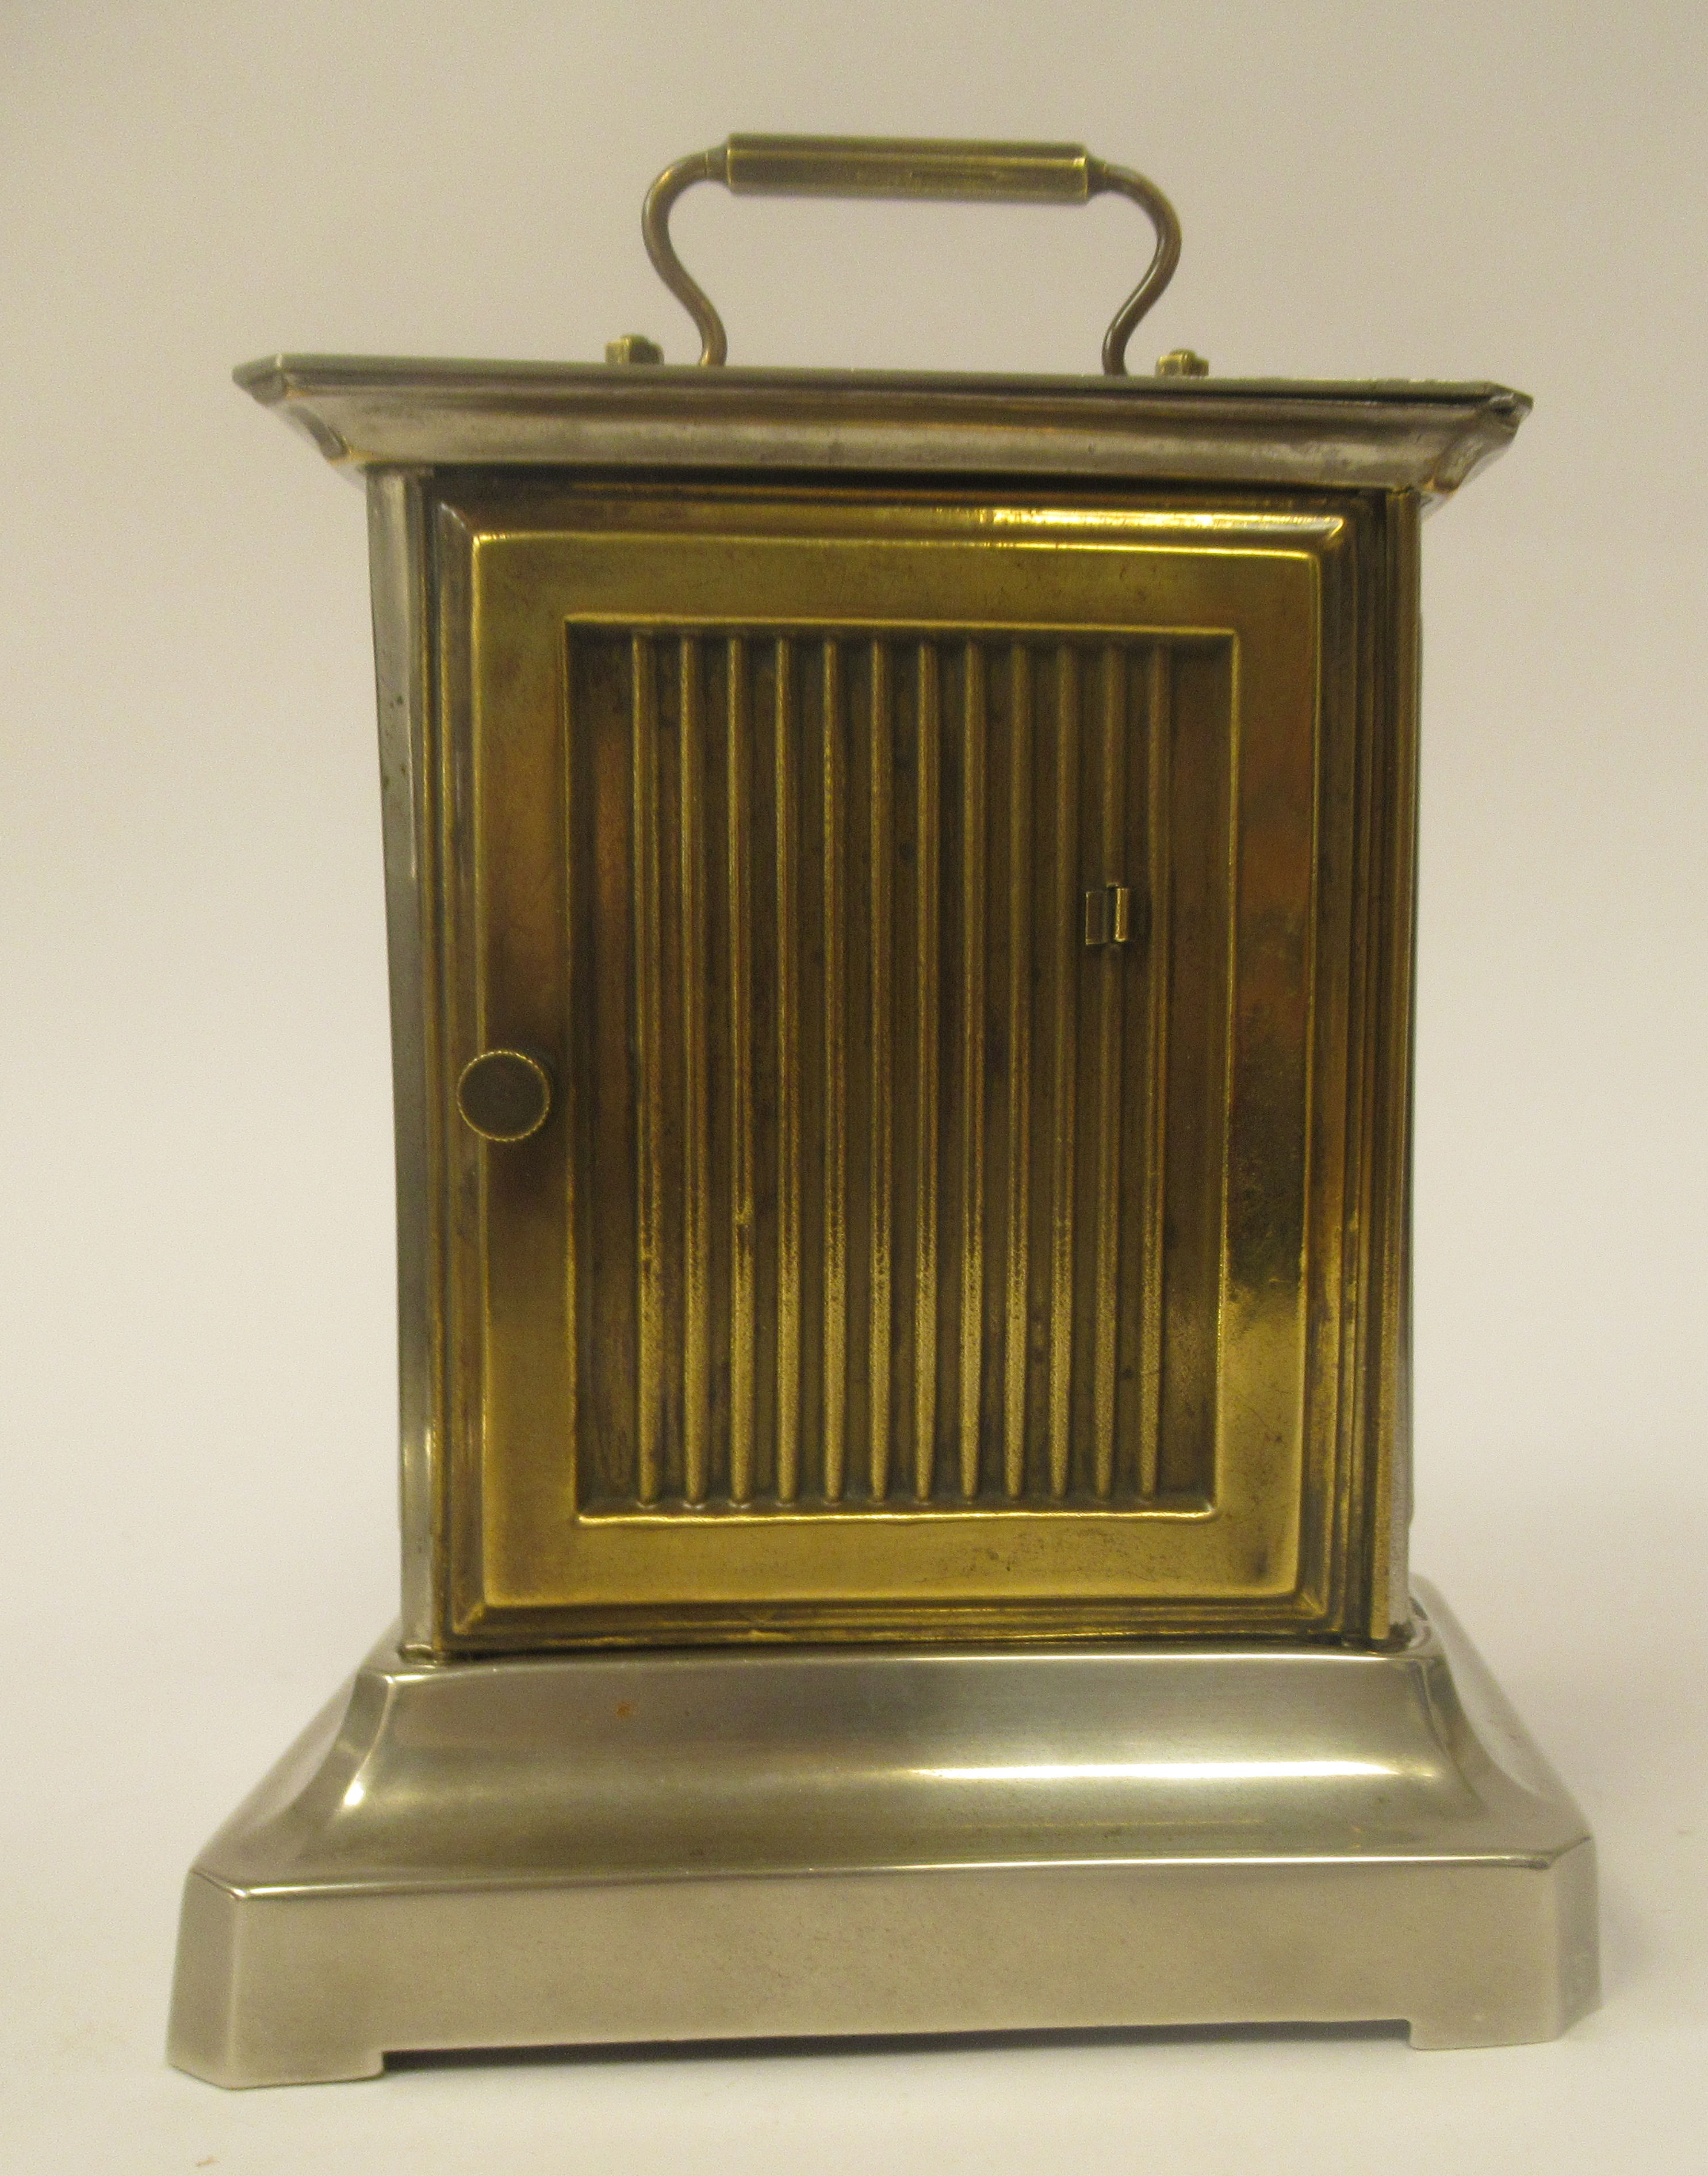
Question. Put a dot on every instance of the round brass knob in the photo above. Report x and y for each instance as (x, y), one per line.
(505, 1094)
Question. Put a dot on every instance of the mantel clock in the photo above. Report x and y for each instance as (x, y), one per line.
(900, 896)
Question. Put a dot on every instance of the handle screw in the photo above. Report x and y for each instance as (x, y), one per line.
(1182, 362)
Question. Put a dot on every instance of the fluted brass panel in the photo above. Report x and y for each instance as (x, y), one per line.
(1148, 1341)
(1062, 938)
(742, 1136)
(927, 1263)
(650, 1181)
(695, 995)
(825, 953)
(928, 1028)
(974, 887)
(1111, 860)
(787, 828)
(1017, 1198)
(881, 1145)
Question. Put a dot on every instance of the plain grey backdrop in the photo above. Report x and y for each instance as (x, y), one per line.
(198, 1529)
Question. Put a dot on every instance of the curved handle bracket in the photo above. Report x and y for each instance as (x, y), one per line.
(884, 166)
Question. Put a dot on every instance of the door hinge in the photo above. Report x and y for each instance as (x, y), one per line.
(1109, 914)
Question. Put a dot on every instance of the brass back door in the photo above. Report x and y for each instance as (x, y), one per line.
(935, 914)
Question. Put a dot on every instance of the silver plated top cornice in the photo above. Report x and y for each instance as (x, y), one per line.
(381, 412)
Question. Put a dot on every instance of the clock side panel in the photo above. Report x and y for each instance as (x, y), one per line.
(401, 556)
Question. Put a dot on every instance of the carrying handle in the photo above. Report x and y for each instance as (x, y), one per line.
(901, 166)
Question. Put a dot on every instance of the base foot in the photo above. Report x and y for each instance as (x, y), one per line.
(616, 1847)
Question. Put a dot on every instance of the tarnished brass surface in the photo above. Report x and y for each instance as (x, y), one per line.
(894, 1260)
(650, 1847)
(912, 167)
(505, 1094)
(634, 348)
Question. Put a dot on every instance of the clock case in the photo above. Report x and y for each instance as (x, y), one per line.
(901, 897)
(904, 1253)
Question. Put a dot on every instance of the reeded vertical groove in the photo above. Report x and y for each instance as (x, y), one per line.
(927, 922)
(974, 726)
(1109, 963)
(696, 1097)
(1017, 1276)
(788, 813)
(883, 1150)
(1063, 1080)
(835, 793)
(690, 1128)
(1159, 727)
(739, 877)
(648, 1014)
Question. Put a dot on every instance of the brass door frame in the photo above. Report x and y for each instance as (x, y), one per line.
(1318, 1552)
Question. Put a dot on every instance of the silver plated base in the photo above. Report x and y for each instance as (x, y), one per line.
(644, 1846)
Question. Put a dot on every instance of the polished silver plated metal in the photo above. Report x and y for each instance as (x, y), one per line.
(367, 412)
(616, 1847)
